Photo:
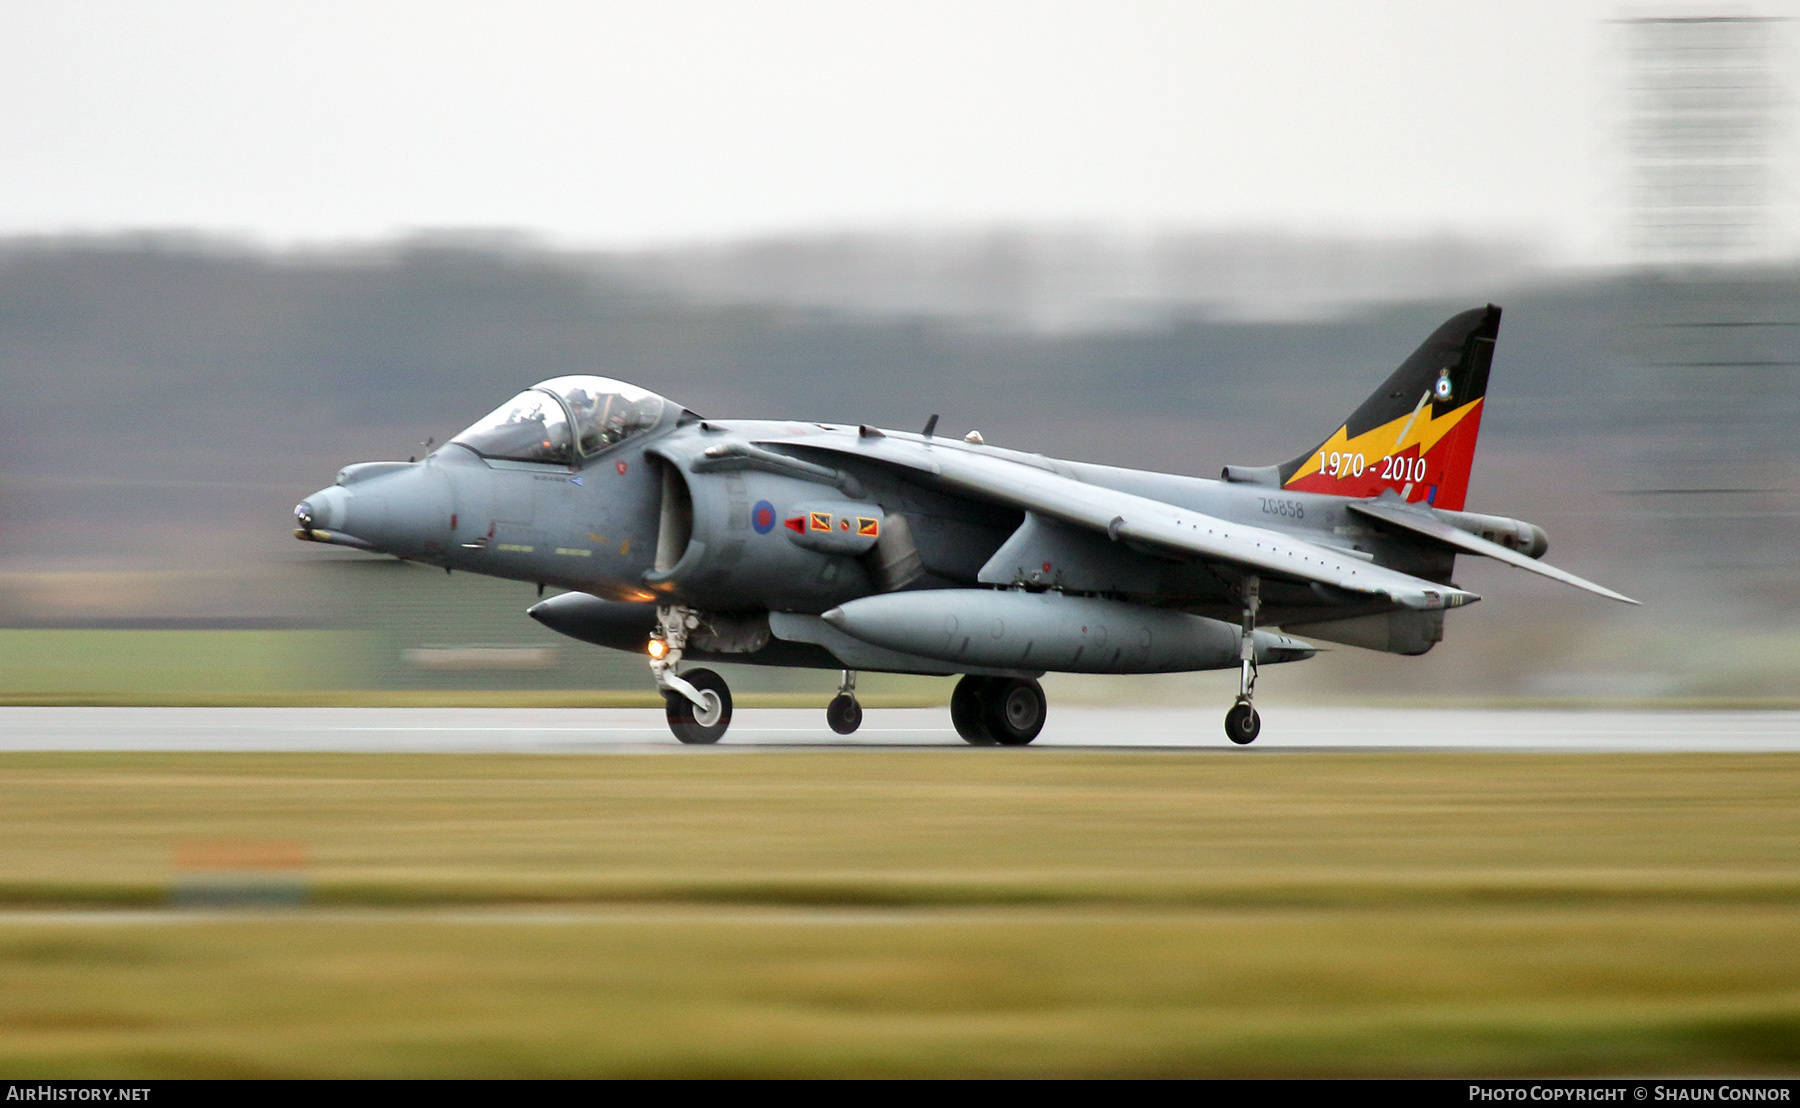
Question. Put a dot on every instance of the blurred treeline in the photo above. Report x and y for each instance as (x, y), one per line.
(168, 399)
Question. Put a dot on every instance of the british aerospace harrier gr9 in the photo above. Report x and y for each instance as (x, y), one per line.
(779, 543)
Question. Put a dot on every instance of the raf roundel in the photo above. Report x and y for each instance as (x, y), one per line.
(1442, 388)
(762, 517)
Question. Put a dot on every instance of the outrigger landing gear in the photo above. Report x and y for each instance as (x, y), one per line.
(698, 703)
(844, 714)
(1242, 724)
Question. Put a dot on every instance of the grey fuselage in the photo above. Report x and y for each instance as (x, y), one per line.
(722, 516)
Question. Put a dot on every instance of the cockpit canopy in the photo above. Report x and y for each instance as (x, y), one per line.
(565, 419)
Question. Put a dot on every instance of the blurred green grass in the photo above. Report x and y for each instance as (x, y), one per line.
(345, 668)
(359, 668)
(722, 992)
(68, 665)
(910, 912)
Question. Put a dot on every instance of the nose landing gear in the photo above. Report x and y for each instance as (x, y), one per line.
(698, 704)
(1242, 724)
(844, 714)
(703, 722)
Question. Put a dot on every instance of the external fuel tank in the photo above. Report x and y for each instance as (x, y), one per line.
(1050, 631)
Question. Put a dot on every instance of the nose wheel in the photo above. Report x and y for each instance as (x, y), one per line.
(1242, 724)
(707, 720)
(698, 702)
(844, 714)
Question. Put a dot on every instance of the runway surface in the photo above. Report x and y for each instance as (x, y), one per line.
(641, 730)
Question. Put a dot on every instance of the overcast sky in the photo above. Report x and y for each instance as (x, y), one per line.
(626, 123)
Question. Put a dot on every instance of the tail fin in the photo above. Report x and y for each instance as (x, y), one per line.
(1416, 434)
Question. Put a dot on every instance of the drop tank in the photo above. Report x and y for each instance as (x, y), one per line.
(1050, 631)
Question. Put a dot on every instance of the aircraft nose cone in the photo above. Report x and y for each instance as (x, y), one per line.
(321, 518)
(398, 508)
(322, 511)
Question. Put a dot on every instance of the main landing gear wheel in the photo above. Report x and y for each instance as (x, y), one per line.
(965, 711)
(694, 723)
(1013, 709)
(844, 714)
(1242, 724)
(1003, 711)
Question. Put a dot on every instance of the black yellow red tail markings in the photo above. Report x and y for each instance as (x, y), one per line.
(1416, 434)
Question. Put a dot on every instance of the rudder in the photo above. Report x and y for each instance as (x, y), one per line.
(1416, 434)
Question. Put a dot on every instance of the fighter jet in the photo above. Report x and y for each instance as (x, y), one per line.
(864, 549)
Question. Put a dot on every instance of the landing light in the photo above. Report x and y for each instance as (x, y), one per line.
(658, 648)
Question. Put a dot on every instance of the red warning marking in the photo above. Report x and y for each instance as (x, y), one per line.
(621, 468)
(797, 525)
(1046, 567)
(867, 526)
(844, 524)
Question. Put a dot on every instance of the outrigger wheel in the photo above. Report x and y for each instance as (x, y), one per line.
(693, 723)
(844, 714)
(1242, 724)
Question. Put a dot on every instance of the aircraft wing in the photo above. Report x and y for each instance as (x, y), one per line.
(1153, 523)
(1419, 523)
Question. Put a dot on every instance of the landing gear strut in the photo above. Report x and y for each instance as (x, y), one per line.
(1242, 724)
(1004, 711)
(844, 714)
(698, 704)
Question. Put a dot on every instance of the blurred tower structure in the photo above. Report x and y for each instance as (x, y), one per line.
(1709, 320)
(1702, 101)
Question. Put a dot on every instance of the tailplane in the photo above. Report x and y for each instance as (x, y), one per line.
(1416, 434)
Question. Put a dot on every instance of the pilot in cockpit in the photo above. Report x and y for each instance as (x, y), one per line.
(532, 427)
